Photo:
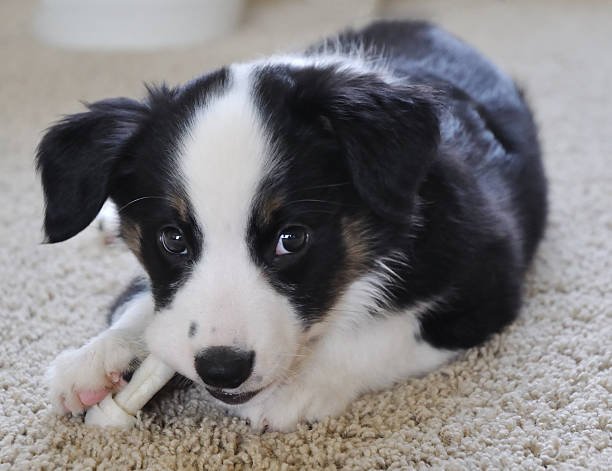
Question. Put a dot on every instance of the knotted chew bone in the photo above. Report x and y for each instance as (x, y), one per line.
(120, 410)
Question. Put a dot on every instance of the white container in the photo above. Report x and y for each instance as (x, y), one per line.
(133, 24)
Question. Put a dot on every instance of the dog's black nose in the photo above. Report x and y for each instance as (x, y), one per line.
(224, 367)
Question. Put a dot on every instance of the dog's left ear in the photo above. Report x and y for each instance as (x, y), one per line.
(76, 159)
(388, 132)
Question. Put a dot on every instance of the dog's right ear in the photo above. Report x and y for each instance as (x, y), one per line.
(76, 159)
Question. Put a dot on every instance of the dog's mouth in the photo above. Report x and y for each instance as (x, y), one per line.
(232, 398)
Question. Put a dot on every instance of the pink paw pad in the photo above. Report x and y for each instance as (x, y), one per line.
(90, 398)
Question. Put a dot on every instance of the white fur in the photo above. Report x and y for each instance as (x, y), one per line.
(224, 157)
(357, 353)
(107, 222)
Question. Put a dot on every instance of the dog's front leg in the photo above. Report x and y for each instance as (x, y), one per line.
(80, 378)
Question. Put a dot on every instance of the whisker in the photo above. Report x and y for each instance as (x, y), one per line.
(321, 211)
(140, 199)
(317, 187)
(348, 311)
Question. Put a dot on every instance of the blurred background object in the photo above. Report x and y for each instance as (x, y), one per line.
(155, 24)
(133, 24)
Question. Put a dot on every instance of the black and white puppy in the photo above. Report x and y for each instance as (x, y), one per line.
(313, 226)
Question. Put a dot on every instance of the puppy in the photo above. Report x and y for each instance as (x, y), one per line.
(313, 226)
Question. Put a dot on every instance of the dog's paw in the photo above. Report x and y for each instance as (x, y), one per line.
(80, 378)
(288, 405)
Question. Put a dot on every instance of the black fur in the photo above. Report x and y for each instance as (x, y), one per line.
(360, 114)
(76, 158)
(446, 159)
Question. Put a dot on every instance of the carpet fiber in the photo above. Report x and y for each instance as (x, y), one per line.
(536, 396)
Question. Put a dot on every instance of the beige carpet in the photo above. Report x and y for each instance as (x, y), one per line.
(537, 396)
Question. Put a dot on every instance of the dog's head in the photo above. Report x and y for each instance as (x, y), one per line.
(260, 199)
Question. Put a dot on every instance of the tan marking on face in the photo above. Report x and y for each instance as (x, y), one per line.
(132, 234)
(355, 236)
(356, 241)
(269, 205)
(180, 205)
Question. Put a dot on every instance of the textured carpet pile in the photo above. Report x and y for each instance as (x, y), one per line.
(536, 396)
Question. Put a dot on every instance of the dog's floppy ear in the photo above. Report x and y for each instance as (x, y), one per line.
(388, 132)
(76, 158)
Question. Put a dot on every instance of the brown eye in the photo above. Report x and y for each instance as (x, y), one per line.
(172, 240)
(291, 240)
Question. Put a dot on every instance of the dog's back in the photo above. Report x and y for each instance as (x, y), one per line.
(496, 130)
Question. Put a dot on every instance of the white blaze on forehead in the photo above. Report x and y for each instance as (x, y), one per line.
(223, 159)
(223, 162)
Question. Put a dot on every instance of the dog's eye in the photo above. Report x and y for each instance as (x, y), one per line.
(172, 240)
(292, 239)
